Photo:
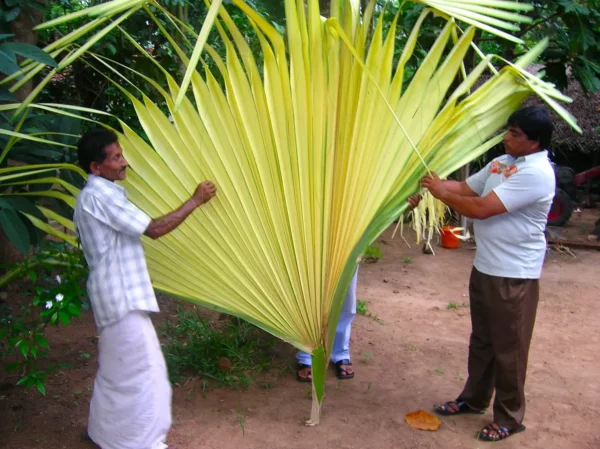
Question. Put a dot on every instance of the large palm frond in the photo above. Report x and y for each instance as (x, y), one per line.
(314, 153)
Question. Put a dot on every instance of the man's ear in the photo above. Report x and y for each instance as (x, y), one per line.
(95, 168)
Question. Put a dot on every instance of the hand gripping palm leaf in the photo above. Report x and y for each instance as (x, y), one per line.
(314, 153)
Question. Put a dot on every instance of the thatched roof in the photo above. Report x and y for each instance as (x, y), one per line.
(586, 109)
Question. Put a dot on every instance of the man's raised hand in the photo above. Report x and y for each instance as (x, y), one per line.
(205, 191)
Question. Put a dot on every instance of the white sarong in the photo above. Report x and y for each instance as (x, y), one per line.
(131, 403)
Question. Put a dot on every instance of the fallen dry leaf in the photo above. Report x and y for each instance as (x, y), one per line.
(423, 420)
(224, 364)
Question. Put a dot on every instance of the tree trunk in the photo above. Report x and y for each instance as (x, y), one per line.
(22, 28)
(363, 5)
(9, 254)
(325, 7)
(182, 13)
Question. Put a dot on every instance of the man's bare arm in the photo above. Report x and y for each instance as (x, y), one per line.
(167, 223)
(459, 188)
(474, 207)
(468, 206)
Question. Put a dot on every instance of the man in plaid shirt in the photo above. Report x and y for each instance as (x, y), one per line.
(131, 403)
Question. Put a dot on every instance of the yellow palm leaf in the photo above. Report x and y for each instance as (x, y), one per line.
(314, 155)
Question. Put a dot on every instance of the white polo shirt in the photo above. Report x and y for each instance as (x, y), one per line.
(513, 244)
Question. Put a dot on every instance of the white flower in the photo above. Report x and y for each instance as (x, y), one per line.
(58, 279)
(48, 304)
(59, 297)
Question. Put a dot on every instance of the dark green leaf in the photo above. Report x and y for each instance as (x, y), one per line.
(40, 386)
(586, 38)
(40, 187)
(575, 7)
(65, 318)
(67, 125)
(12, 366)
(34, 4)
(61, 208)
(73, 310)
(8, 66)
(21, 204)
(30, 51)
(5, 95)
(15, 229)
(5, 36)
(73, 178)
(23, 347)
(588, 79)
(41, 340)
(12, 14)
(35, 234)
(36, 155)
(41, 121)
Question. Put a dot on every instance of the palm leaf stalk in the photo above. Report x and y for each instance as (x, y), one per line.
(314, 153)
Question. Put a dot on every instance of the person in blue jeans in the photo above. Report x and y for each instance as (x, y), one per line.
(340, 353)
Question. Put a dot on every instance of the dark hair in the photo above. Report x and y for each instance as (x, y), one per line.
(535, 122)
(92, 147)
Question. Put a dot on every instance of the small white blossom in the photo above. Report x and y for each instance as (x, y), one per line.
(59, 297)
(48, 304)
(58, 279)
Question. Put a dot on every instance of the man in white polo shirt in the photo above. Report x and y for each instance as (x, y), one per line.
(509, 200)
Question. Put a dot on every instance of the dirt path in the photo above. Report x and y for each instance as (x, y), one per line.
(415, 359)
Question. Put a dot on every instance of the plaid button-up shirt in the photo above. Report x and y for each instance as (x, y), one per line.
(110, 227)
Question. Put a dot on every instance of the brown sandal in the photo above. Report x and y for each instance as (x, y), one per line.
(308, 377)
(340, 372)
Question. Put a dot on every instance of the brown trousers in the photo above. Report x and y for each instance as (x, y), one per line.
(502, 317)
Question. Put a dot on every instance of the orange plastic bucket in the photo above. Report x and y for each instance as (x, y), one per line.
(448, 239)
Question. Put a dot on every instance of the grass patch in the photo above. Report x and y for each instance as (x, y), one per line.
(452, 305)
(363, 309)
(372, 254)
(229, 353)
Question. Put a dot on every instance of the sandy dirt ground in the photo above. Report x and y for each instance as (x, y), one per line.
(416, 358)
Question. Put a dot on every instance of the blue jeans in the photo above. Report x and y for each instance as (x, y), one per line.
(341, 344)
